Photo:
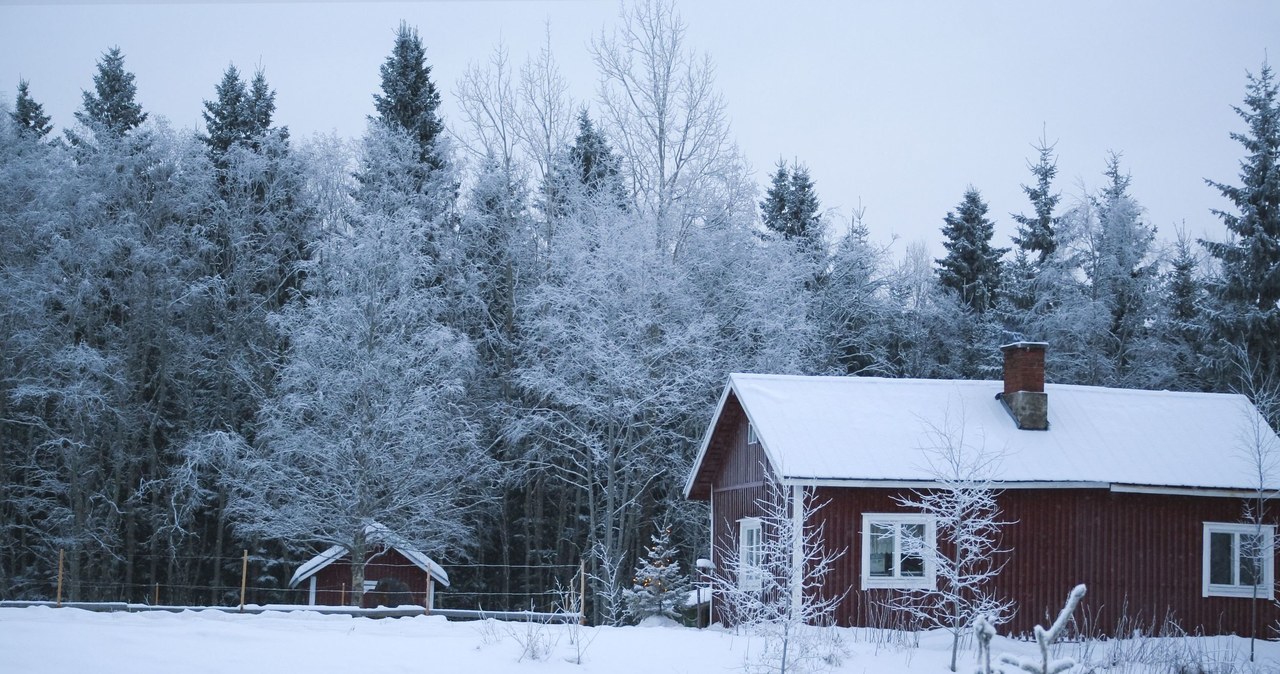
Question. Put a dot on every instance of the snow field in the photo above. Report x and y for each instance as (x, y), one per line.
(41, 639)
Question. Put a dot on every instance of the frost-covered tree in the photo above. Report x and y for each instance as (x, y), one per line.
(1248, 288)
(1180, 325)
(615, 353)
(368, 423)
(660, 586)
(850, 309)
(111, 107)
(29, 115)
(409, 100)
(787, 600)
(1122, 272)
(967, 555)
(972, 265)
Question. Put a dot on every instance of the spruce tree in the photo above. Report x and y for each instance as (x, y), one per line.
(227, 118)
(262, 105)
(409, 100)
(774, 206)
(597, 167)
(111, 107)
(972, 266)
(239, 114)
(1248, 289)
(658, 588)
(1122, 275)
(790, 206)
(29, 115)
(1036, 232)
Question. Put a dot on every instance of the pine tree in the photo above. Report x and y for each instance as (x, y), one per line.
(972, 266)
(659, 587)
(1036, 232)
(409, 100)
(1249, 287)
(29, 115)
(111, 107)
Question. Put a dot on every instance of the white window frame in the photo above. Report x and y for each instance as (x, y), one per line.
(928, 580)
(1266, 587)
(750, 553)
(752, 438)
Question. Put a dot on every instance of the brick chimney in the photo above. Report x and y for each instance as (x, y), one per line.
(1023, 396)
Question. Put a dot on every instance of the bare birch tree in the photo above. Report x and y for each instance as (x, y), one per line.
(966, 557)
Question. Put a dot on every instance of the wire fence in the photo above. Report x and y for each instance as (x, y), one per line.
(250, 580)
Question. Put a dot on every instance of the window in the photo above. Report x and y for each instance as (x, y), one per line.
(750, 554)
(896, 551)
(752, 438)
(1238, 559)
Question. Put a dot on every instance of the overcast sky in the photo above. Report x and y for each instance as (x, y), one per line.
(895, 105)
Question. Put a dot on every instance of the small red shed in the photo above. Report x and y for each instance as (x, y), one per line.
(1140, 495)
(326, 578)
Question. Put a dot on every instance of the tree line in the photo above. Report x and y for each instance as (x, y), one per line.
(500, 338)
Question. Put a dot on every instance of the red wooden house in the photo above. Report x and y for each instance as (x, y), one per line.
(1138, 494)
(326, 578)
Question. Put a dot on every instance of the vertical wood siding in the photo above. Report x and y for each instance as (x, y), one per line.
(335, 579)
(1139, 554)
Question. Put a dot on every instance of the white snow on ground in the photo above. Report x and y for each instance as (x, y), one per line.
(68, 640)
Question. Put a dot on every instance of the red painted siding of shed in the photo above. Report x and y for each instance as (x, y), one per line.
(333, 582)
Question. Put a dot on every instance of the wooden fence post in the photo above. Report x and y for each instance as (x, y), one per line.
(582, 592)
(157, 599)
(342, 594)
(61, 555)
(244, 577)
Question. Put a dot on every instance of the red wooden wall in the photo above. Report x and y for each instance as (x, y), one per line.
(335, 579)
(1139, 554)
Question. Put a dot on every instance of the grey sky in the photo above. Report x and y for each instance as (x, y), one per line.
(897, 105)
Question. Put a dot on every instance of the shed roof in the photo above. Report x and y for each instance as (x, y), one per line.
(876, 429)
(374, 533)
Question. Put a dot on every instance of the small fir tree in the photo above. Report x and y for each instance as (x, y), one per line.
(29, 115)
(659, 587)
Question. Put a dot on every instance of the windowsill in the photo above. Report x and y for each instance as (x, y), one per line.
(924, 583)
(1239, 592)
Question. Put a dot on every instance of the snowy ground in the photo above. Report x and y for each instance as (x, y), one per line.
(73, 641)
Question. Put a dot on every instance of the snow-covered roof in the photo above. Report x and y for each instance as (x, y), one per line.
(874, 429)
(374, 533)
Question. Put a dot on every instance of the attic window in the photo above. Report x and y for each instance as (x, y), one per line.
(752, 438)
(896, 550)
(1239, 560)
